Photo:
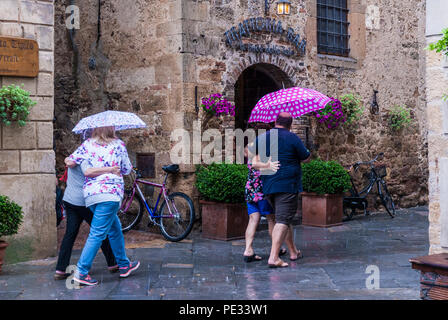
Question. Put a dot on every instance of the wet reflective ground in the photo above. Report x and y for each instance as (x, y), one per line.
(334, 267)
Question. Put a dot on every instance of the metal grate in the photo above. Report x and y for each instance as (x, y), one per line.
(332, 27)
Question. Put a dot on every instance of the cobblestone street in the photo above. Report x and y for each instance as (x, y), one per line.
(334, 266)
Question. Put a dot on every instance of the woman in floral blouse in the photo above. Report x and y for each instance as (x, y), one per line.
(103, 195)
(257, 205)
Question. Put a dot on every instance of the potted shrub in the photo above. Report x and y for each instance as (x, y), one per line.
(15, 105)
(221, 187)
(324, 184)
(11, 216)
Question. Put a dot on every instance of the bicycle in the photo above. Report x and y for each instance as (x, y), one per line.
(357, 200)
(175, 217)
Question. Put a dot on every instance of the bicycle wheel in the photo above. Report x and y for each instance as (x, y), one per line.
(386, 199)
(348, 213)
(178, 226)
(131, 216)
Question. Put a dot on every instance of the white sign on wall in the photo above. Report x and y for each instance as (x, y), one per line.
(373, 17)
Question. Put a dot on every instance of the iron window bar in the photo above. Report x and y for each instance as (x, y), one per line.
(332, 27)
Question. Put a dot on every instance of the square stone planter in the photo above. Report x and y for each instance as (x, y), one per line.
(322, 210)
(3, 246)
(223, 221)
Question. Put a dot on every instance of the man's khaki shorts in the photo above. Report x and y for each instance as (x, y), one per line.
(285, 206)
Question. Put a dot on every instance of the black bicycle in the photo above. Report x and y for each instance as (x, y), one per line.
(358, 199)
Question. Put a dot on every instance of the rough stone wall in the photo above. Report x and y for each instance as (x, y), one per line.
(386, 55)
(152, 54)
(27, 159)
(393, 64)
(138, 69)
(437, 85)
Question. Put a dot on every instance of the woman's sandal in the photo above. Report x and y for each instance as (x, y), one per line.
(281, 264)
(299, 256)
(252, 258)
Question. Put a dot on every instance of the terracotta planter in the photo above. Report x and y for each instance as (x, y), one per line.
(3, 246)
(322, 210)
(223, 221)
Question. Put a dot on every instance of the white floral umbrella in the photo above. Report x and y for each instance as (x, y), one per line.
(118, 119)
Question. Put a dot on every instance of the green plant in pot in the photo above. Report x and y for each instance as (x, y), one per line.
(352, 108)
(399, 117)
(15, 105)
(221, 187)
(324, 184)
(11, 216)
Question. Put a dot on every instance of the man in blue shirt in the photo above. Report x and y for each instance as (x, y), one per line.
(282, 187)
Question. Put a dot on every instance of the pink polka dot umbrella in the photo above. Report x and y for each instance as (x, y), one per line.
(296, 101)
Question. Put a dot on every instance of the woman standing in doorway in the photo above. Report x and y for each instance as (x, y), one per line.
(103, 195)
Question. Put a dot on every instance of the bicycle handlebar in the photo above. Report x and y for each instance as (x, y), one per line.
(137, 172)
(359, 163)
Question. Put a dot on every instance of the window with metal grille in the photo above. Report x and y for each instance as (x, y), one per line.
(332, 27)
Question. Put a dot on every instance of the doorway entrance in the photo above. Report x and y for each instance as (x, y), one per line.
(257, 81)
(253, 83)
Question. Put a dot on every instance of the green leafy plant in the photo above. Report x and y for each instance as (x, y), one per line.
(325, 177)
(222, 182)
(15, 105)
(441, 46)
(11, 216)
(351, 107)
(399, 117)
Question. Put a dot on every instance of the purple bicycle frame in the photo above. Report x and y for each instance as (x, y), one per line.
(163, 191)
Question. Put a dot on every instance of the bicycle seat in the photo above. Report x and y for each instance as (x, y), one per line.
(172, 168)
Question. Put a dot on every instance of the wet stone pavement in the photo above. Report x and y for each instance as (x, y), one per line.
(334, 266)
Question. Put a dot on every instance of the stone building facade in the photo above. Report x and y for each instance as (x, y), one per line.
(27, 158)
(437, 85)
(158, 58)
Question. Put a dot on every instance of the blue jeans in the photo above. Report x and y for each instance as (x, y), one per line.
(105, 223)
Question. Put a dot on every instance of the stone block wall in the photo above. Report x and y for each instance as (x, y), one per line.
(151, 55)
(27, 158)
(138, 69)
(437, 112)
(387, 54)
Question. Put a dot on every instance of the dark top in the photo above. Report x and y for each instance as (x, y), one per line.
(290, 152)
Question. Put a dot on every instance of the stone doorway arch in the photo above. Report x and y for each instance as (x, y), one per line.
(252, 84)
(277, 74)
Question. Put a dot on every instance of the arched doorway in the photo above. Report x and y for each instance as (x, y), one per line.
(253, 83)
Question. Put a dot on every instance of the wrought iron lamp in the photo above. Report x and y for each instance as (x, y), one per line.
(283, 7)
(374, 107)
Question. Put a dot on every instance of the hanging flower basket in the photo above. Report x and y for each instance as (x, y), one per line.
(332, 115)
(215, 105)
(15, 105)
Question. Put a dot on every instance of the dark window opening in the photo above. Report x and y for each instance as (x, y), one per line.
(251, 86)
(332, 27)
(145, 164)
